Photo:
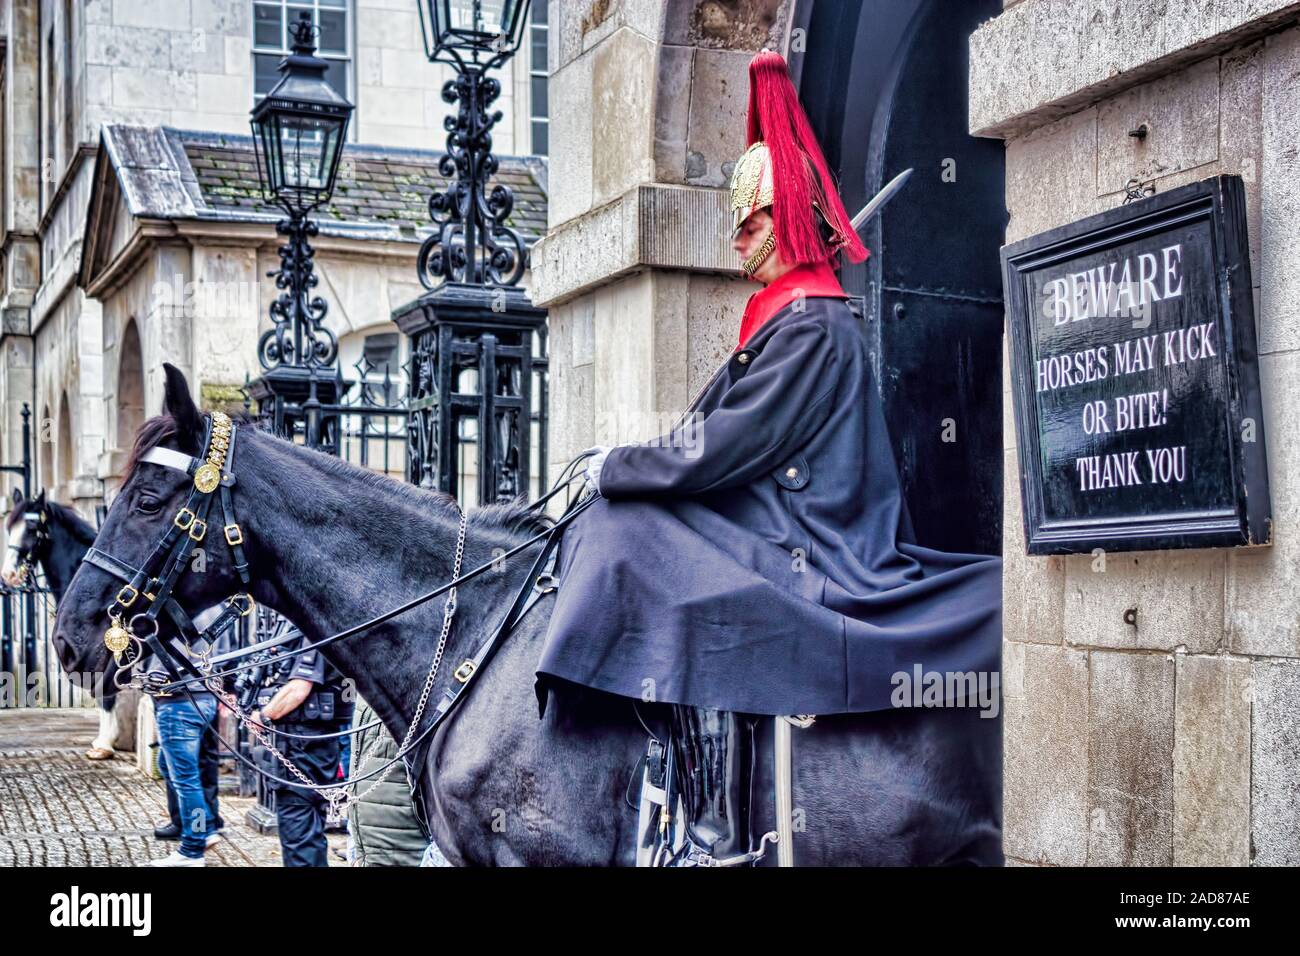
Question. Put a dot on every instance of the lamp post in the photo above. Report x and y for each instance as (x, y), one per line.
(298, 133)
(472, 334)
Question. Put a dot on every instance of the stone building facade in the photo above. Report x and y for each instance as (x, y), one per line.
(95, 95)
(1171, 743)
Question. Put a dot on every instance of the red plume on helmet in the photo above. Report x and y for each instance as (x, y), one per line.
(801, 176)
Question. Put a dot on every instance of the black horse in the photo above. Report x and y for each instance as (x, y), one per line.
(53, 537)
(330, 545)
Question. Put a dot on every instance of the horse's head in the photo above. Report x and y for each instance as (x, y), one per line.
(147, 507)
(26, 537)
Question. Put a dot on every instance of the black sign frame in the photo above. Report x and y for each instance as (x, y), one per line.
(1247, 522)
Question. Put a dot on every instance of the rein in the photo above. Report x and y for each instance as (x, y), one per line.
(189, 527)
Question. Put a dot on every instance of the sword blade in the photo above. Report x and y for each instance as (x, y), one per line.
(878, 201)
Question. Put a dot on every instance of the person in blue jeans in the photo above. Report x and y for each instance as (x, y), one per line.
(210, 774)
(182, 720)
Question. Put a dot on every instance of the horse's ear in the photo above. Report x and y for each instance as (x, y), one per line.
(17, 496)
(179, 405)
(40, 499)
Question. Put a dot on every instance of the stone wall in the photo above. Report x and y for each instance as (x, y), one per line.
(1175, 741)
(164, 63)
(69, 384)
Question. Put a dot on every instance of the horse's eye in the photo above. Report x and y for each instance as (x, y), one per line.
(149, 506)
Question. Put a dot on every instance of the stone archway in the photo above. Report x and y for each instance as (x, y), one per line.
(45, 439)
(130, 386)
(65, 466)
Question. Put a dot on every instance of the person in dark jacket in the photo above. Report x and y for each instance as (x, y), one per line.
(306, 698)
(759, 559)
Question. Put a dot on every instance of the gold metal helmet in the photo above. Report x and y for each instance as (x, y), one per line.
(753, 186)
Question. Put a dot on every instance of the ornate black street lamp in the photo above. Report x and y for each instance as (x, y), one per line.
(298, 133)
(472, 335)
(472, 243)
(299, 129)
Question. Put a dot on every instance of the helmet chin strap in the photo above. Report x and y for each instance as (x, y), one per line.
(752, 264)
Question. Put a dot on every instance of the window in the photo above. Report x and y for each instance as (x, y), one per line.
(381, 368)
(271, 39)
(69, 127)
(49, 171)
(539, 112)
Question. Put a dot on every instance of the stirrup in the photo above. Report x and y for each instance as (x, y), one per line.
(695, 855)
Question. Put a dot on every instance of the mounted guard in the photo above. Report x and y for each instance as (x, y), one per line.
(759, 558)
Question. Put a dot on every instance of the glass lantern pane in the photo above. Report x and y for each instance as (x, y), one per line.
(478, 16)
(303, 143)
(308, 146)
(269, 133)
(505, 17)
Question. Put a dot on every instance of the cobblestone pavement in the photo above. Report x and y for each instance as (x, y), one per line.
(59, 809)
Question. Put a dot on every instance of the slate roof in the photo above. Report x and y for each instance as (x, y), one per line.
(381, 191)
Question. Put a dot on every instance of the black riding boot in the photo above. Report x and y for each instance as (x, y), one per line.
(715, 759)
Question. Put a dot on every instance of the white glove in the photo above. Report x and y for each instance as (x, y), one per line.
(594, 465)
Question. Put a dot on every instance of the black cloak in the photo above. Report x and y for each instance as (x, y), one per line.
(759, 557)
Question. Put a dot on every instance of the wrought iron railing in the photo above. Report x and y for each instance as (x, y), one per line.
(30, 673)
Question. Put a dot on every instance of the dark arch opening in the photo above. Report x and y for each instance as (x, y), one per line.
(885, 83)
(45, 438)
(64, 452)
(130, 386)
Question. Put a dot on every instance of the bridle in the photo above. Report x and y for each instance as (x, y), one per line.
(35, 537)
(155, 580)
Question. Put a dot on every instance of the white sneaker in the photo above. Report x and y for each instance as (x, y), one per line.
(176, 858)
(213, 837)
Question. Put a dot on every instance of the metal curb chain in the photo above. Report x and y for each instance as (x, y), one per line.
(341, 798)
(331, 797)
(448, 612)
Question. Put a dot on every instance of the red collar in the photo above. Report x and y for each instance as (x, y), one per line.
(807, 280)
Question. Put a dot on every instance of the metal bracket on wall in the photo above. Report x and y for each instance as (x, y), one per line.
(1135, 190)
